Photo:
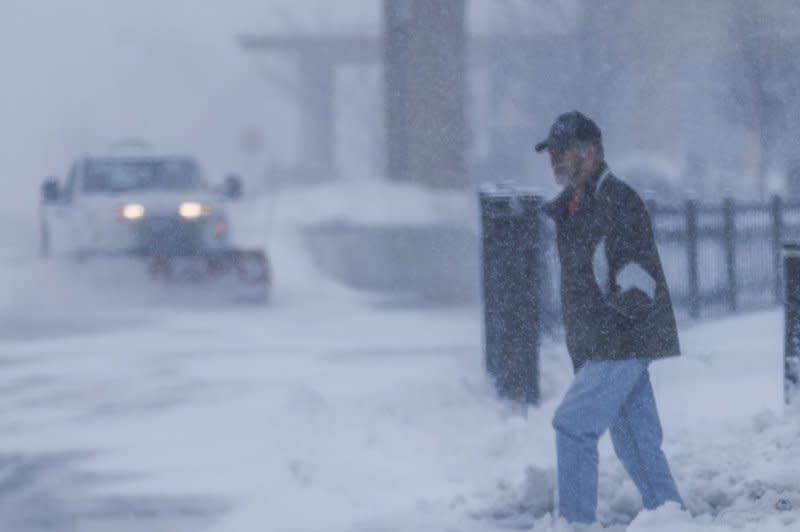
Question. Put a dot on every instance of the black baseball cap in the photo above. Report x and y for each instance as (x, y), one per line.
(571, 128)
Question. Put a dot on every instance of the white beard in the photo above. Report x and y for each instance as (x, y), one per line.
(564, 178)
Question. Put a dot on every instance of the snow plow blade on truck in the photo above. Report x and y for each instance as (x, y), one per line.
(247, 267)
(160, 210)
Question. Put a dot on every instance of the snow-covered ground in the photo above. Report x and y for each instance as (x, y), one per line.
(322, 411)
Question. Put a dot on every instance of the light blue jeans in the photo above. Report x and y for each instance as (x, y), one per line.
(614, 395)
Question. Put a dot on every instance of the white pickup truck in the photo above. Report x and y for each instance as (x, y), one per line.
(159, 208)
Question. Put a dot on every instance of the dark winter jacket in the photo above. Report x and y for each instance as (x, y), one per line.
(614, 296)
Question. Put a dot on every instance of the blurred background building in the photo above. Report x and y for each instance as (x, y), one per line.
(695, 96)
(694, 99)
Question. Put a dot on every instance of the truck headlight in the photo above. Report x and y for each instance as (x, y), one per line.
(193, 209)
(131, 211)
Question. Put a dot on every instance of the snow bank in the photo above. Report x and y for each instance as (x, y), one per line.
(448, 458)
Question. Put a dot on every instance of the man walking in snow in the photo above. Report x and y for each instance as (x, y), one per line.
(617, 316)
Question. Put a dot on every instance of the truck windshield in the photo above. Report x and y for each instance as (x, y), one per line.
(112, 176)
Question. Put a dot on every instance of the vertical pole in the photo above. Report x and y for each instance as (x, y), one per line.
(512, 264)
(398, 27)
(651, 205)
(425, 66)
(549, 308)
(530, 298)
(729, 215)
(437, 93)
(494, 325)
(691, 255)
(791, 350)
(317, 118)
(777, 235)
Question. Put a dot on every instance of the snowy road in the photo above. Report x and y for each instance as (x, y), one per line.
(150, 416)
(340, 415)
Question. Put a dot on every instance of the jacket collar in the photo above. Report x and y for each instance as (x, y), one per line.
(597, 181)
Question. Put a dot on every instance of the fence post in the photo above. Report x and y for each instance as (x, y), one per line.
(791, 349)
(512, 261)
(651, 205)
(729, 215)
(691, 255)
(777, 236)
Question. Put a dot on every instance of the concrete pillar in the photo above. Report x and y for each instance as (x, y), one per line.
(396, 70)
(425, 91)
(316, 109)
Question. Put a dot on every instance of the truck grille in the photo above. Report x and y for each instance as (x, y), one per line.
(169, 235)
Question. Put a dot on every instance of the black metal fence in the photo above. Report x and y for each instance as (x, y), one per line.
(791, 349)
(717, 257)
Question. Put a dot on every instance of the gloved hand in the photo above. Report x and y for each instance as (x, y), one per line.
(633, 303)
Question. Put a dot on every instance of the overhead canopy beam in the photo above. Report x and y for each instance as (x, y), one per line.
(368, 49)
(339, 49)
(424, 91)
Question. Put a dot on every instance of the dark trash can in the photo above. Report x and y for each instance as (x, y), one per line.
(513, 264)
(791, 350)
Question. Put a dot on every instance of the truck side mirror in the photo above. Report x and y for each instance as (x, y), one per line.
(232, 187)
(50, 190)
